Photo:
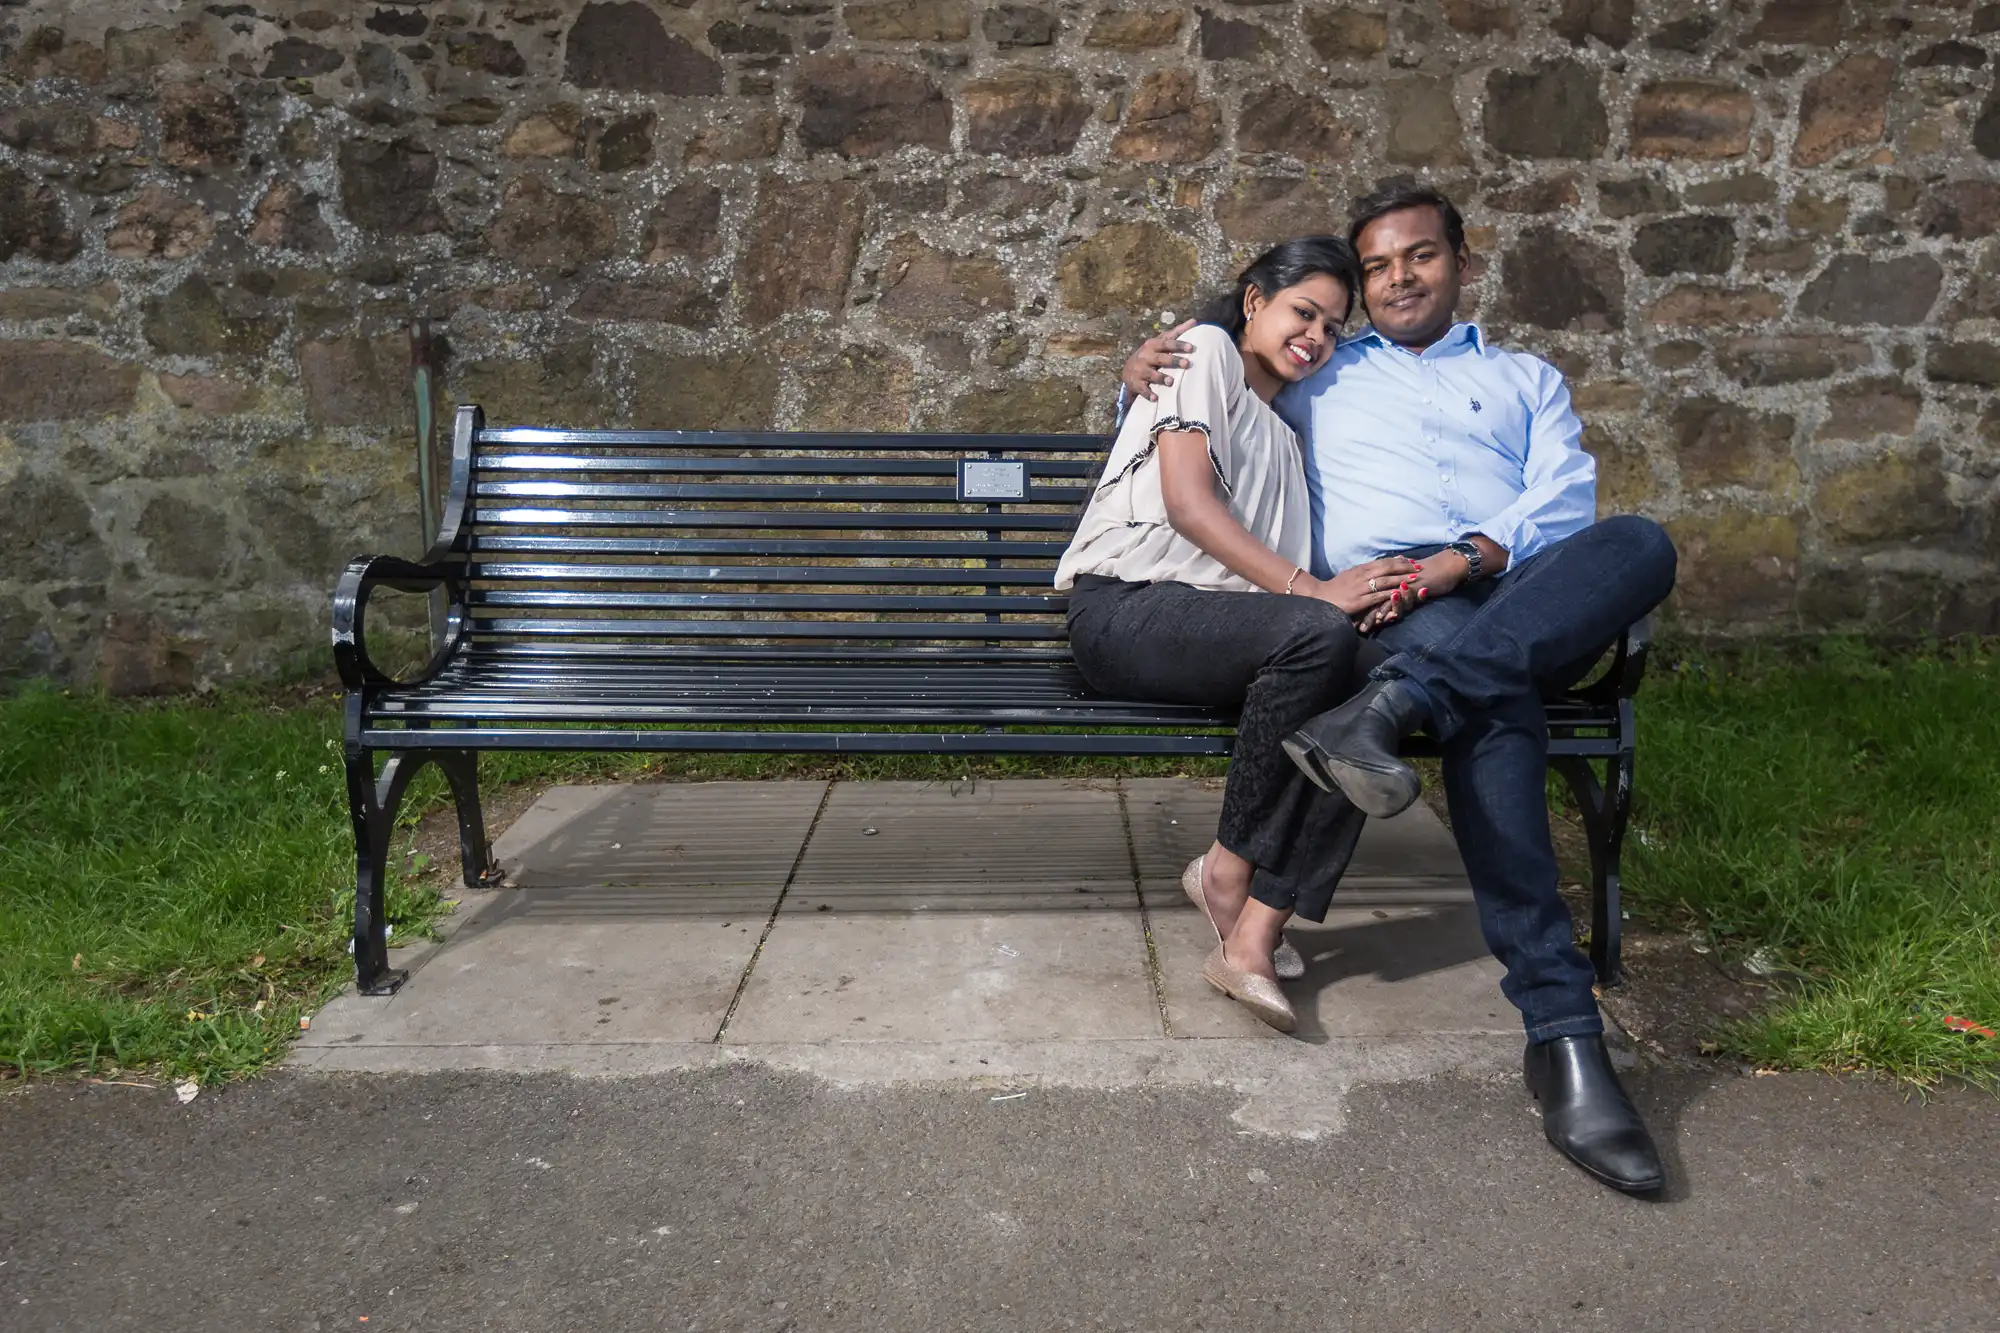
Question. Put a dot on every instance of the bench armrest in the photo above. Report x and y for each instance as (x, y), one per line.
(350, 609)
(1620, 679)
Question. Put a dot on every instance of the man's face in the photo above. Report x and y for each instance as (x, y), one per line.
(1410, 275)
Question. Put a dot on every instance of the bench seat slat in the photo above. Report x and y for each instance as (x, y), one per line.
(504, 571)
(969, 603)
(769, 629)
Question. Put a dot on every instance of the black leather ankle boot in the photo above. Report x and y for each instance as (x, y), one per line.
(1353, 748)
(1587, 1115)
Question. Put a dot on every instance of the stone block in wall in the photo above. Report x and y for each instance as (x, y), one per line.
(1025, 113)
(686, 224)
(1482, 18)
(1698, 243)
(1169, 121)
(1281, 119)
(47, 534)
(1555, 280)
(1973, 363)
(139, 655)
(1259, 211)
(33, 221)
(1759, 361)
(1735, 566)
(1008, 25)
(1796, 23)
(1637, 196)
(357, 381)
(27, 649)
(1898, 496)
(1552, 111)
(1854, 289)
(1128, 266)
(1726, 444)
(1692, 118)
(1967, 210)
(800, 250)
(1343, 33)
(1029, 406)
(753, 138)
(62, 381)
(737, 392)
(287, 217)
(1134, 29)
(1221, 37)
(159, 224)
(694, 303)
(545, 227)
(1699, 305)
(860, 388)
(1844, 108)
(559, 386)
(625, 46)
(869, 108)
(923, 285)
(193, 319)
(385, 185)
(1424, 127)
(200, 125)
(908, 20)
(1535, 197)
(1870, 408)
(1625, 479)
(184, 538)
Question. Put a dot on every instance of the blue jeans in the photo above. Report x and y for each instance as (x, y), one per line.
(1487, 655)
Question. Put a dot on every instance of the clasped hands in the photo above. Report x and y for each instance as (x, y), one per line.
(1384, 591)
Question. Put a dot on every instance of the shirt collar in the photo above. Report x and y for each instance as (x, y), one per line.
(1458, 333)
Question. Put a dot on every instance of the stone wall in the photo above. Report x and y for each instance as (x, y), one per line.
(1759, 236)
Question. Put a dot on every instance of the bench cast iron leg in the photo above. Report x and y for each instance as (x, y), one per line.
(374, 820)
(475, 854)
(1605, 813)
(372, 804)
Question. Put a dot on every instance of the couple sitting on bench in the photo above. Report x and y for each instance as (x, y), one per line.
(1419, 502)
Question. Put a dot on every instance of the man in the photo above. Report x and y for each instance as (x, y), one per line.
(1423, 439)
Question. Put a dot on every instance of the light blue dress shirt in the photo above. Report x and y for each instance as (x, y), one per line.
(1407, 449)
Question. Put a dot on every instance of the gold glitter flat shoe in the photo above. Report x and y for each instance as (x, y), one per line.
(1286, 961)
(1259, 995)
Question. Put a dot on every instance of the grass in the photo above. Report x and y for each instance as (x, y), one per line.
(176, 877)
(1835, 817)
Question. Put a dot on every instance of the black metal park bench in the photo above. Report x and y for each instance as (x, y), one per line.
(773, 592)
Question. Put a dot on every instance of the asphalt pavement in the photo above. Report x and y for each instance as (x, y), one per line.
(741, 1198)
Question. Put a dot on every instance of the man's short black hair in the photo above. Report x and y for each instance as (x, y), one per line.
(1399, 195)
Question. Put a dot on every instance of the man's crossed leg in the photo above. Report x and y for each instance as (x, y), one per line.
(1473, 669)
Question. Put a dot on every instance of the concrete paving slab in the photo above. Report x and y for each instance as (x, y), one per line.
(1370, 972)
(957, 976)
(1407, 860)
(638, 908)
(967, 847)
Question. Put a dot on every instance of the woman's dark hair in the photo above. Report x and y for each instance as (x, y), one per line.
(1283, 266)
(1399, 195)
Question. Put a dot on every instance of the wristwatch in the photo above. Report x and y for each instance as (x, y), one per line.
(1473, 560)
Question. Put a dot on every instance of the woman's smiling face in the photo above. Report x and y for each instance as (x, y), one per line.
(1292, 332)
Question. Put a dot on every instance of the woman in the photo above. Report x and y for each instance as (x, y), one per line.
(1202, 516)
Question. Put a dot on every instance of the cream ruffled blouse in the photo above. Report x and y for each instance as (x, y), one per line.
(1124, 533)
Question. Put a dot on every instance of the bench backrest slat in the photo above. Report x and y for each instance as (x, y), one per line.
(764, 545)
